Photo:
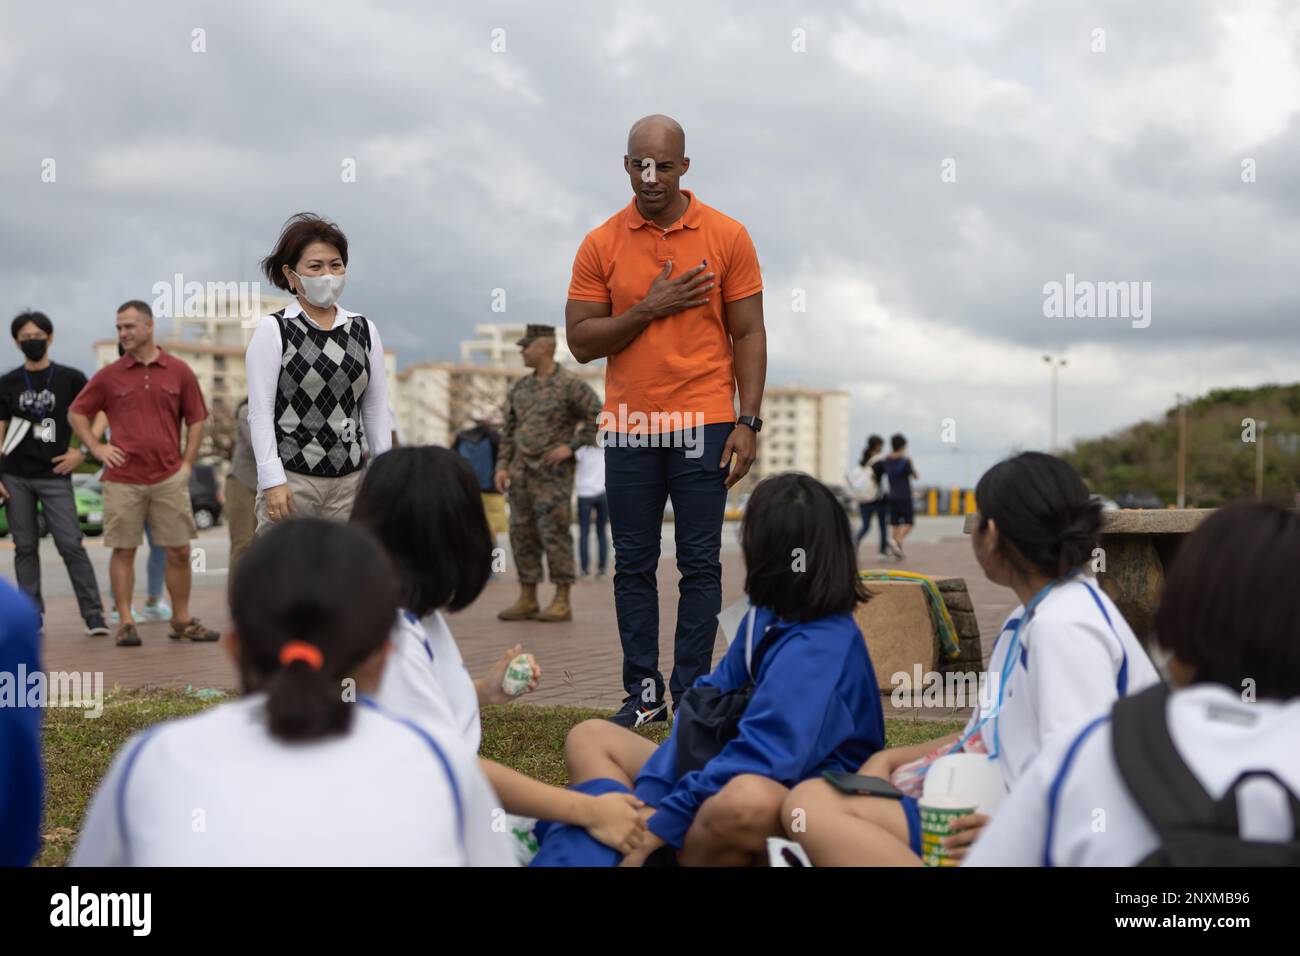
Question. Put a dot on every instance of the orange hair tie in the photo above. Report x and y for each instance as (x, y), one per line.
(302, 651)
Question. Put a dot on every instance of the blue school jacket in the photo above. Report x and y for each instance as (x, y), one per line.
(21, 778)
(816, 706)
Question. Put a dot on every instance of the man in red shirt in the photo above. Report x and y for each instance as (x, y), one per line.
(145, 394)
(669, 290)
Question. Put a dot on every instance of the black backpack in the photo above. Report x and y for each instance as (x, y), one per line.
(706, 719)
(1194, 829)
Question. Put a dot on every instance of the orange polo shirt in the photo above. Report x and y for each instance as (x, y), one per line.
(679, 366)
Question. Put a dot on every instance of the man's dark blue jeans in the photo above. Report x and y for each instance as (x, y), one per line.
(681, 466)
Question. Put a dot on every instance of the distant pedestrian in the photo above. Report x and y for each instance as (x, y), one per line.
(593, 508)
(146, 394)
(866, 489)
(241, 489)
(37, 464)
(480, 445)
(898, 470)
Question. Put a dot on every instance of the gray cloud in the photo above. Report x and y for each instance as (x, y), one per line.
(479, 170)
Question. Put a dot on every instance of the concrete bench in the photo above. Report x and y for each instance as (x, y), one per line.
(1136, 548)
(901, 632)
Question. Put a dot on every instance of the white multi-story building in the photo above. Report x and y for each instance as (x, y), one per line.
(437, 399)
(494, 346)
(804, 430)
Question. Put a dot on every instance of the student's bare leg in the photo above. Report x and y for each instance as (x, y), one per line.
(732, 826)
(178, 577)
(837, 829)
(121, 577)
(596, 749)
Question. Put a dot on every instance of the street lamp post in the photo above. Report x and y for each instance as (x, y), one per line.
(1259, 460)
(1056, 364)
(1182, 450)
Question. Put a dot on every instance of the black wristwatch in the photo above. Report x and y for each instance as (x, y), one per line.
(753, 421)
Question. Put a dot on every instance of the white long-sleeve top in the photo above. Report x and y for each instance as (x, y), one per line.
(263, 357)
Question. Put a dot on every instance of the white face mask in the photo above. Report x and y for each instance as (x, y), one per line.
(322, 291)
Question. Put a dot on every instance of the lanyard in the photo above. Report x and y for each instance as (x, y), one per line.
(1008, 661)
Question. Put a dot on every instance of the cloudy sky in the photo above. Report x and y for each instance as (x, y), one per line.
(920, 170)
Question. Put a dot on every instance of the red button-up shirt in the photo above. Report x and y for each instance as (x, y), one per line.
(145, 405)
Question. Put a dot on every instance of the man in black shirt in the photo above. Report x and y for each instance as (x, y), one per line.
(36, 464)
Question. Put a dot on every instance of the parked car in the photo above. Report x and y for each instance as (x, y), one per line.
(205, 496)
(89, 496)
(845, 497)
(1139, 499)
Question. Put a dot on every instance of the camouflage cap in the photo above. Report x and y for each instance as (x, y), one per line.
(537, 332)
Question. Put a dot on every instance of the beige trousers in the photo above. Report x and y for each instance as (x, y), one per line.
(313, 497)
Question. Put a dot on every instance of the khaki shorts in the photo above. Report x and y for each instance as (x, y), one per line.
(165, 505)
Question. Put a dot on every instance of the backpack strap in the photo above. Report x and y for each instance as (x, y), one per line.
(754, 655)
(1156, 776)
(1230, 798)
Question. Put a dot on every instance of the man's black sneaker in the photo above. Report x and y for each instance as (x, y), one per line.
(96, 627)
(637, 714)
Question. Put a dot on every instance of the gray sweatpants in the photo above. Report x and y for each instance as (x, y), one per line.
(60, 510)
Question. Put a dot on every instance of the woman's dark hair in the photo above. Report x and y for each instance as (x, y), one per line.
(1230, 606)
(324, 583)
(424, 506)
(39, 319)
(1043, 512)
(874, 444)
(299, 232)
(897, 441)
(799, 557)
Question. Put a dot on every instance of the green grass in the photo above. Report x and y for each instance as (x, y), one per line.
(529, 739)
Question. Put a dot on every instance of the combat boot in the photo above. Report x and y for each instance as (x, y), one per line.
(559, 609)
(525, 608)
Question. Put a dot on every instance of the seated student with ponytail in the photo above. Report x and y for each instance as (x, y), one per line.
(423, 504)
(1205, 774)
(714, 796)
(1064, 655)
(294, 773)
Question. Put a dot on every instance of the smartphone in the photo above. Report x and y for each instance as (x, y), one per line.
(870, 786)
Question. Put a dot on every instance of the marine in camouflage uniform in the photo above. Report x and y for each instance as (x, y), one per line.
(547, 412)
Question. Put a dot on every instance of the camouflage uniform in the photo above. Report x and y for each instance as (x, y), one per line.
(541, 414)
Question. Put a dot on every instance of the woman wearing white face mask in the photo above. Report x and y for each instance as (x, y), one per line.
(316, 382)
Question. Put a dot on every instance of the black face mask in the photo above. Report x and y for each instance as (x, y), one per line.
(34, 349)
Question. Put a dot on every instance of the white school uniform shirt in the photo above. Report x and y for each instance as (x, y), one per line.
(262, 362)
(1053, 818)
(589, 476)
(216, 789)
(425, 679)
(1067, 670)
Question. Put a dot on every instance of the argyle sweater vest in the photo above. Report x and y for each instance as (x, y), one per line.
(323, 376)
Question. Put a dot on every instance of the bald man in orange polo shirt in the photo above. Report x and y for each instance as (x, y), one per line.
(669, 290)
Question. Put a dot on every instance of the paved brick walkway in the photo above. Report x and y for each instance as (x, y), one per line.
(581, 659)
